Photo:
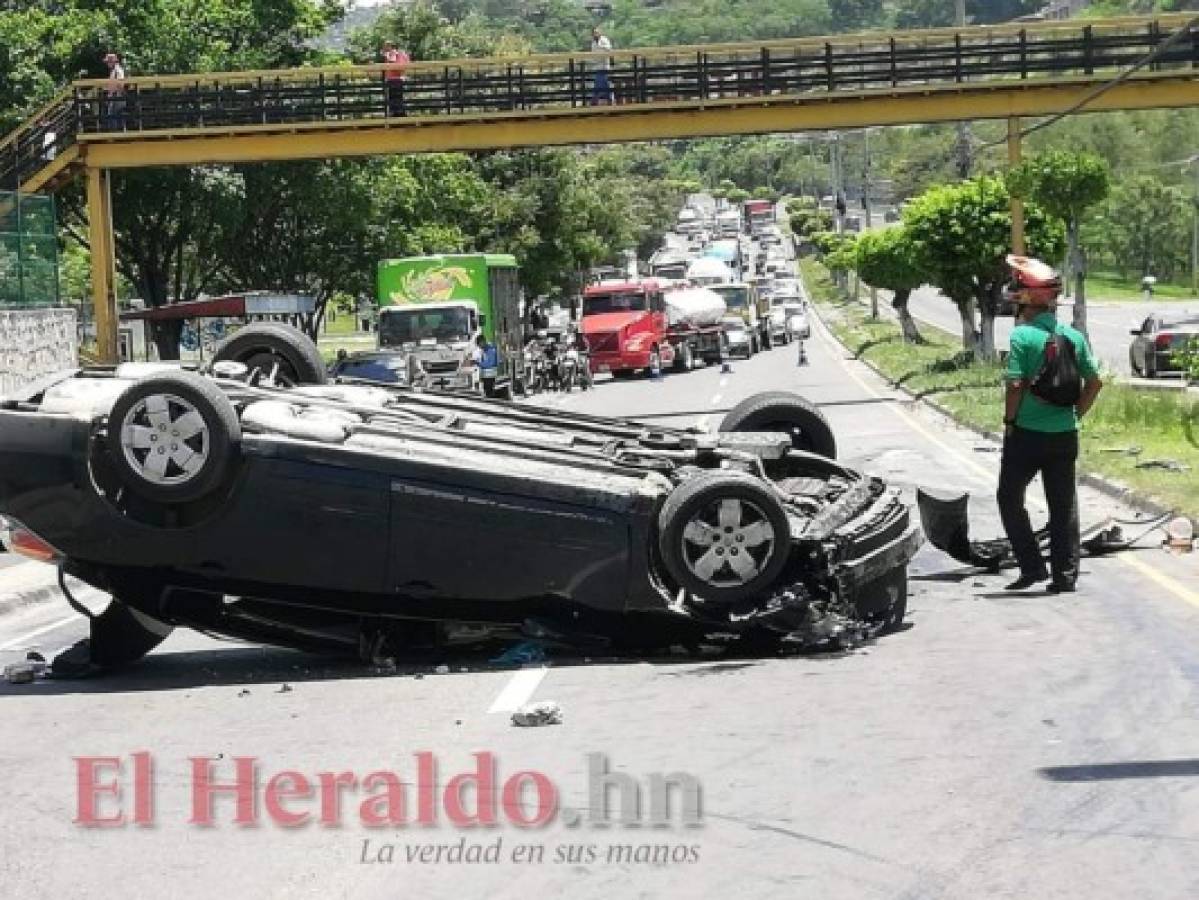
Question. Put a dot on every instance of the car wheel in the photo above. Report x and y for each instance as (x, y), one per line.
(751, 347)
(172, 437)
(786, 412)
(767, 342)
(724, 536)
(684, 361)
(884, 601)
(655, 362)
(1132, 363)
(1150, 366)
(277, 350)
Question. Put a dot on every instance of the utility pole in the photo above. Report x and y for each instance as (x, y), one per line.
(1195, 227)
(1016, 204)
(867, 211)
(964, 138)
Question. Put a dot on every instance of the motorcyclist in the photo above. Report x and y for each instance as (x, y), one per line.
(1040, 427)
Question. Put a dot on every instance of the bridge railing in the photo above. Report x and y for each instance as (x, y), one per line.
(363, 95)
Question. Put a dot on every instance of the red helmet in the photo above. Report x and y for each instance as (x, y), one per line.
(1033, 281)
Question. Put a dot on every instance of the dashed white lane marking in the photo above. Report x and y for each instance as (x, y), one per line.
(724, 382)
(717, 398)
(518, 690)
(37, 632)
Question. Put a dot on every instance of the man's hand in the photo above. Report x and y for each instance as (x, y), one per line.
(1090, 390)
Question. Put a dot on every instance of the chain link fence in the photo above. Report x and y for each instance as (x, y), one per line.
(28, 251)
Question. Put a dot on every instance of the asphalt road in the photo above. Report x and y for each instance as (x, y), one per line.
(1108, 323)
(1001, 746)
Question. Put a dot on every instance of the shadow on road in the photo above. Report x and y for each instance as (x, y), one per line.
(1164, 768)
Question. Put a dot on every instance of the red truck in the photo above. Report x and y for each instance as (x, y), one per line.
(628, 329)
(756, 212)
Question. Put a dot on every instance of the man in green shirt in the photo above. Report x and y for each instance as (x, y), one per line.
(1041, 437)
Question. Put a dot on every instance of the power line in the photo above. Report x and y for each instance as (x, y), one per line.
(1102, 89)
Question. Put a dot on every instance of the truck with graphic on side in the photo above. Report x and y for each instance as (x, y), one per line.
(433, 308)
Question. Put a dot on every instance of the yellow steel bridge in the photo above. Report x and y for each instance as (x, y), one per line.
(847, 81)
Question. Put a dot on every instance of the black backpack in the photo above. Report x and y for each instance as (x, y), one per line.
(1059, 382)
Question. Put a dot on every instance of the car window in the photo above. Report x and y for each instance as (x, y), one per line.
(386, 369)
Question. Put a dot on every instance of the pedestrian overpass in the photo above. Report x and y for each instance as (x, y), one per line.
(846, 81)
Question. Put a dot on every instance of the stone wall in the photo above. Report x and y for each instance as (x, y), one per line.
(34, 342)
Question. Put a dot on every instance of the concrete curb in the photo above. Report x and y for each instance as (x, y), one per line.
(1105, 486)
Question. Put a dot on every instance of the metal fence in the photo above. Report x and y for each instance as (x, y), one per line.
(28, 251)
(363, 95)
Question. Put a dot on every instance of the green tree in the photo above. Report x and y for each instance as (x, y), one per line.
(855, 15)
(887, 259)
(1066, 185)
(1145, 227)
(939, 13)
(961, 234)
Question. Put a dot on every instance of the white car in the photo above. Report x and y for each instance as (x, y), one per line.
(798, 326)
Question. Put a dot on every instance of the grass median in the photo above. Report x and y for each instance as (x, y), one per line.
(1127, 428)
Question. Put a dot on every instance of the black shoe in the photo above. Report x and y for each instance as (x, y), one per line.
(1061, 587)
(1024, 582)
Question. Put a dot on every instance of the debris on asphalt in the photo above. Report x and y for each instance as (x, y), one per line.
(1133, 450)
(34, 656)
(986, 448)
(285, 689)
(1168, 465)
(442, 670)
(522, 654)
(534, 715)
(24, 672)
(1180, 534)
(244, 692)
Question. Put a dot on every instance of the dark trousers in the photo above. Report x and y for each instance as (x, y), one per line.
(395, 97)
(601, 92)
(488, 387)
(1052, 455)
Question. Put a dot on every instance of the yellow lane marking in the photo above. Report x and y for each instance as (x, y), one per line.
(1163, 580)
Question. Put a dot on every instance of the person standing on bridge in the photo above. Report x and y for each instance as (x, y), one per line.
(601, 92)
(1052, 382)
(394, 76)
(113, 117)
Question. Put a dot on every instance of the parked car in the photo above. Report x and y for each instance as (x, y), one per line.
(1157, 343)
(382, 366)
(347, 517)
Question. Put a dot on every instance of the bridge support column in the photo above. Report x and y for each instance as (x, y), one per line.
(100, 234)
(1013, 158)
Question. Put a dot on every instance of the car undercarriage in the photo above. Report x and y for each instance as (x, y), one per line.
(351, 517)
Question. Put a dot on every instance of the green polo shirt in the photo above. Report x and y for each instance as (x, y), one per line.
(1024, 361)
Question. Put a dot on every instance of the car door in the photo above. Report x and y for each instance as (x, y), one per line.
(1142, 342)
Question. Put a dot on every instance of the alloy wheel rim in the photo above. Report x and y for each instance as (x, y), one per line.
(728, 542)
(165, 440)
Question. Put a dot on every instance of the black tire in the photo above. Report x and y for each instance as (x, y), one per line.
(655, 362)
(693, 502)
(684, 360)
(767, 341)
(783, 411)
(1150, 367)
(752, 347)
(265, 345)
(218, 442)
(1132, 363)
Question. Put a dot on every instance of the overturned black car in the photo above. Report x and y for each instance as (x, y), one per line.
(246, 500)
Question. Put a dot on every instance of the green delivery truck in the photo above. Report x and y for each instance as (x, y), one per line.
(432, 308)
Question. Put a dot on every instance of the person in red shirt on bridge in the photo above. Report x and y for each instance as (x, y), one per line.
(394, 76)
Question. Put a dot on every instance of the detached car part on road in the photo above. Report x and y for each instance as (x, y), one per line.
(343, 516)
